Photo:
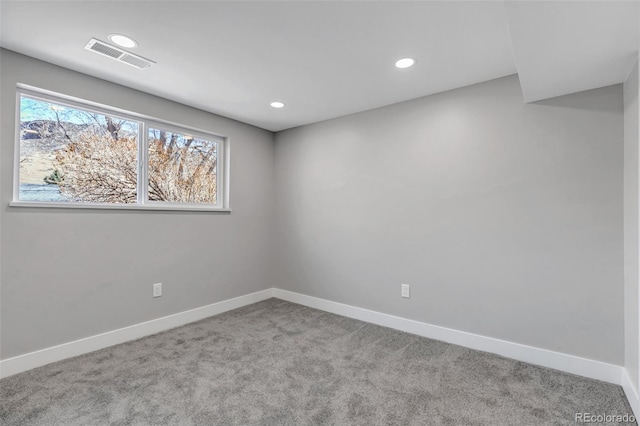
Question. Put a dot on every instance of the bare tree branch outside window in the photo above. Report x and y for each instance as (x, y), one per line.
(182, 169)
(89, 157)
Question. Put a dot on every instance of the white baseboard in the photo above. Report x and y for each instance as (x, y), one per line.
(556, 360)
(559, 361)
(631, 392)
(42, 357)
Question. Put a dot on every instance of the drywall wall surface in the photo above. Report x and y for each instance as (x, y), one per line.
(631, 232)
(504, 217)
(69, 273)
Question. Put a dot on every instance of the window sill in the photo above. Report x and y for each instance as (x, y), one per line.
(147, 207)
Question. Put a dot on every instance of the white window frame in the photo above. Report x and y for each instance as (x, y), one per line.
(146, 122)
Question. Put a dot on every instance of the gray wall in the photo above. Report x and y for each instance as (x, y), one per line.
(505, 218)
(631, 232)
(68, 274)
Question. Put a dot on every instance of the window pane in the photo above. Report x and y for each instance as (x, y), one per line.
(182, 169)
(73, 155)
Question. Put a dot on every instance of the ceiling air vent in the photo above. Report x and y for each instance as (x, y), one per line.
(118, 54)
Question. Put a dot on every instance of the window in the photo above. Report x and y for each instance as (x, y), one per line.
(182, 168)
(75, 154)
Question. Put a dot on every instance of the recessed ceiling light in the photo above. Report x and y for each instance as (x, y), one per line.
(122, 40)
(405, 62)
(277, 104)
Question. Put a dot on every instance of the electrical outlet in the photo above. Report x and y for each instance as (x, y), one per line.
(157, 290)
(405, 290)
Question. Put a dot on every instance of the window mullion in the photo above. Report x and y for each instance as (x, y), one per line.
(142, 164)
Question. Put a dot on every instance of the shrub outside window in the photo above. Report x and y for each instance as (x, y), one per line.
(75, 154)
(182, 168)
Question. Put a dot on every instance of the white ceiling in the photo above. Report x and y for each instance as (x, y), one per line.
(565, 47)
(328, 59)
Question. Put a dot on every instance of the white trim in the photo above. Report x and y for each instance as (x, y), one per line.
(546, 358)
(16, 150)
(568, 363)
(142, 180)
(42, 357)
(224, 169)
(631, 393)
(97, 206)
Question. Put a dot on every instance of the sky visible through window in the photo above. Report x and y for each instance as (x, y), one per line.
(74, 155)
